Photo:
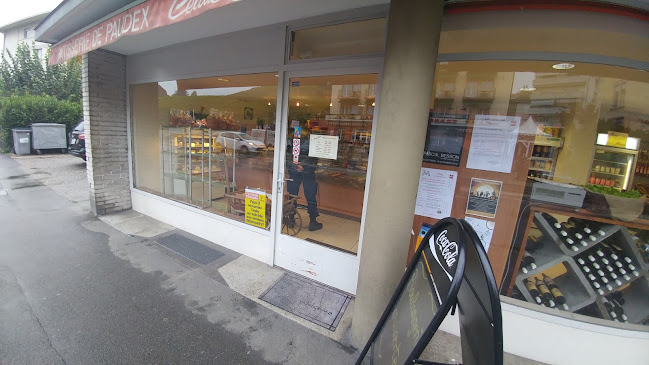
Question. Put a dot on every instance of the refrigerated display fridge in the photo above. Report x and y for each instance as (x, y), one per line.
(613, 166)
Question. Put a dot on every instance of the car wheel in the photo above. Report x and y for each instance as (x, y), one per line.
(243, 150)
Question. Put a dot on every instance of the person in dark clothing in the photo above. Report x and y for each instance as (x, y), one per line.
(303, 172)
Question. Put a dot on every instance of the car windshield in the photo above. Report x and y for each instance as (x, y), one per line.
(79, 127)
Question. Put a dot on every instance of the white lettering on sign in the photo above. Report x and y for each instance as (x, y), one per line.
(145, 16)
(447, 248)
(180, 7)
(127, 24)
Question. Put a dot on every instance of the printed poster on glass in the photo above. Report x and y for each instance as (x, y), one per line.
(445, 138)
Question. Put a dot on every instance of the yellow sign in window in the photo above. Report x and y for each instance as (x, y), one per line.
(616, 139)
(256, 208)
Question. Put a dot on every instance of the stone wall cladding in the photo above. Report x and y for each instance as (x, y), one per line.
(106, 129)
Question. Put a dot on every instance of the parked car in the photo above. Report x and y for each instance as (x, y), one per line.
(242, 142)
(77, 146)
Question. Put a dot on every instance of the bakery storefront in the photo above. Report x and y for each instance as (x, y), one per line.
(262, 139)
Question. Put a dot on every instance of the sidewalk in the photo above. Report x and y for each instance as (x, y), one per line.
(225, 292)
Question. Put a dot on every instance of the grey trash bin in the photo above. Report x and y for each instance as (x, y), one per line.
(22, 141)
(47, 136)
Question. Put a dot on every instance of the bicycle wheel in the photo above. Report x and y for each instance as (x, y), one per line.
(292, 223)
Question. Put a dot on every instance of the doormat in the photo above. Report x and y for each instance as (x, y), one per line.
(190, 249)
(308, 299)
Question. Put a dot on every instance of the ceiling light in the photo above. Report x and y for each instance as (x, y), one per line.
(563, 66)
(269, 103)
(373, 103)
(224, 80)
(331, 104)
(297, 104)
(528, 88)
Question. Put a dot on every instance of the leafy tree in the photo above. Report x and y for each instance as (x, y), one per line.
(32, 91)
(24, 73)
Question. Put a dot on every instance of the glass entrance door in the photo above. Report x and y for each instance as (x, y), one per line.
(328, 130)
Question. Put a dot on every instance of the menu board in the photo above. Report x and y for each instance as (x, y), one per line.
(493, 143)
(428, 286)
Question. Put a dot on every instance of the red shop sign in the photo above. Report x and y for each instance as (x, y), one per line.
(141, 18)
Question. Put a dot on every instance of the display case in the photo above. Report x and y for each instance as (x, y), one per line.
(613, 167)
(597, 264)
(544, 156)
(194, 168)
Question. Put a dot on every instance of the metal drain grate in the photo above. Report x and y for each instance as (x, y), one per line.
(308, 299)
(191, 249)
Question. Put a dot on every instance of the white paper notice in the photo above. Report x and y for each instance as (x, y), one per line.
(484, 229)
(323, 146)
(493, 143)
(435, 193)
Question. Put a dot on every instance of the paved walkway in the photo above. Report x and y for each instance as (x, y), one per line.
(86, 290)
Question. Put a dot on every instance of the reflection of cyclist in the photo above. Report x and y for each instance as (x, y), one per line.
(303, 172)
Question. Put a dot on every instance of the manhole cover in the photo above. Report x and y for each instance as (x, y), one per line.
(190, 249)
(308, 299)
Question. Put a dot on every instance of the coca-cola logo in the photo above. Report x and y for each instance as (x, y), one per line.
(186, 7)
(445, 250)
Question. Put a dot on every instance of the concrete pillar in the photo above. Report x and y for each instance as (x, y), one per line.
(104, 111)
(413, 33)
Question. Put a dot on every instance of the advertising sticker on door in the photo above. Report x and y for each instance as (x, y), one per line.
(256, 208)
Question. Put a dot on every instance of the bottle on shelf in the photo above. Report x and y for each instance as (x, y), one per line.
(609, 309)
(554, 290)
(551, 220)
(527, 261)
(597, 227)
(533, 290)
(546, 295)
(533, 244)
(616, 308)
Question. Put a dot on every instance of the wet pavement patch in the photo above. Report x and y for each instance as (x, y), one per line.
(28, 185)
(308, 299)
(190, 249)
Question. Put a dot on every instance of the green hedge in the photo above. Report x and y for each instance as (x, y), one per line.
(22, 111)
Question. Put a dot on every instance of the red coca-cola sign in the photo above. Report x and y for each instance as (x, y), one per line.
(141, 18)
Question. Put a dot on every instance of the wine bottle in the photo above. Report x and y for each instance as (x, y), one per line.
(609, 251)
(618, 310)
(528, 260)
(550, 219)
(532, 244)
(554, 290)
(543, 289)
(575, 233)
(597, 228)
(531, 288)
(580, 225)
(609, 308)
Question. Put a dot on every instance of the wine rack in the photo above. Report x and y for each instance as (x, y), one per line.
(559, 261)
